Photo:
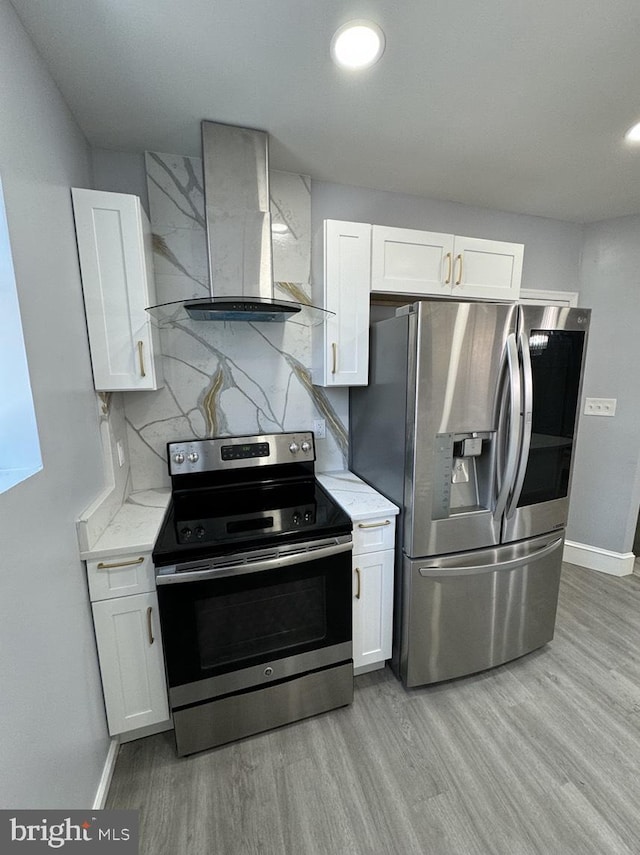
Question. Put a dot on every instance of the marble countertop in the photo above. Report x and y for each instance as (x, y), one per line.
(358, 499)
(135, 526)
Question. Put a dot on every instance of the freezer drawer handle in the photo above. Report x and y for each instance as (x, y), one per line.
(430, 572)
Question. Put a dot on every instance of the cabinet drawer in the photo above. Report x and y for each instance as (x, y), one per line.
(370, 535)
(120, 575)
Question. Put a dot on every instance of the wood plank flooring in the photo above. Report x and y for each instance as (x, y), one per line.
(537, 757)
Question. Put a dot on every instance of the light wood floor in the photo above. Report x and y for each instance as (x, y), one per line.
(538, 756)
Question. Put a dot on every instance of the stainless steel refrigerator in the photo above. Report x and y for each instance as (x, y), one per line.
(469, 425)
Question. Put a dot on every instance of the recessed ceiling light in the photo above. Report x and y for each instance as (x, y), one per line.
(357, 44)
(633, 134)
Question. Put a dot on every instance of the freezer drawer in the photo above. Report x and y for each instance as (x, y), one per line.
(467, 612)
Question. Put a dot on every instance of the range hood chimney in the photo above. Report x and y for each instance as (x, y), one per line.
(236, 194)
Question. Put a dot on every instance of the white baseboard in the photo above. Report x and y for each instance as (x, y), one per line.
(107, 773)
(613, 563)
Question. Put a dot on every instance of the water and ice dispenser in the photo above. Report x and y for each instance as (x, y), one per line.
(462, 477)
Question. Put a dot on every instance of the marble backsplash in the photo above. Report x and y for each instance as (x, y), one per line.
(236, 377)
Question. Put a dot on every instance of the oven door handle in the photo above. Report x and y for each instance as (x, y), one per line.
(171, 576)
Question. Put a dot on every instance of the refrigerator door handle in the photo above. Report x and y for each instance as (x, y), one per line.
(515, 416)
(511, 564)
(527, 417)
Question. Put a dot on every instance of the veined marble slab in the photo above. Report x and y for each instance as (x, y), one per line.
(224, 379)
(135, 526)
(358, 499)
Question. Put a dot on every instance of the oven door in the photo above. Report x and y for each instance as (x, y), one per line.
(255, 620)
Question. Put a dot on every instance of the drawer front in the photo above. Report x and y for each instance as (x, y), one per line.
(373, 534)
(120, 575)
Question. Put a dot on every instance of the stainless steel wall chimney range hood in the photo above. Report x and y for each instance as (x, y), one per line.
(238, 223)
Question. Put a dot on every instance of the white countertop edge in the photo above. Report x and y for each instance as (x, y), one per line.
(134, 527)
(356, 497)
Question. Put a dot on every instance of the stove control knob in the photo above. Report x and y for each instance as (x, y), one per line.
(295, 519)
(308, 516)
(294, 448)
(199, 532)
(306, 446)
(186, 533)
(178, 458)
(193, 457)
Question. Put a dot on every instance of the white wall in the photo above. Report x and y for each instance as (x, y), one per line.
(606, 482)
(53, 739)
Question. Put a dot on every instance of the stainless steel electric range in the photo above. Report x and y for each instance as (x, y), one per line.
(253, 570)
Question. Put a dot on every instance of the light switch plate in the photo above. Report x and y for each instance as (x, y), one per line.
(600, 406)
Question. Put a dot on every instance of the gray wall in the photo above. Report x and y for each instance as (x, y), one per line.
(53, 739)
(552, 247)
(606, 483)
(119, 172)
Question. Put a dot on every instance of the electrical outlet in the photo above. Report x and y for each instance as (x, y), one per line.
(600, 406)
(320, 428)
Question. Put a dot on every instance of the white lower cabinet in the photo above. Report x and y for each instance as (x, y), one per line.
(373, 568)
(129, 646)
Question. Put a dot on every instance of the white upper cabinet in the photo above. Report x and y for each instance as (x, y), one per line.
(115, 251)
(408, 261)
(486, 269)
(341, 343)
(413, 262)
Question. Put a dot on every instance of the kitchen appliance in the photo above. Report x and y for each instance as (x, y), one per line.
(469, 425)
(253, 571)
(235, 164)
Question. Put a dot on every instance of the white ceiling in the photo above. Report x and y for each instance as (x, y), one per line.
(518, 105)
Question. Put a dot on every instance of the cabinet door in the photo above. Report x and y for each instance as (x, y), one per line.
(114, 238)
(487, 269)
(372, 609)
(341, 355)
(131, 661)
(408, 261)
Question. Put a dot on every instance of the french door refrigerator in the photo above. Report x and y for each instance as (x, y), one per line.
(468, 424)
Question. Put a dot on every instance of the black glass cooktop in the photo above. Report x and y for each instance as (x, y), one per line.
(209, 522)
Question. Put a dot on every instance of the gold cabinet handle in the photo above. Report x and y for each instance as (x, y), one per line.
(459, 258)
(149, 627)
(358, 578)
(449, 257)
(102, 566)
(143, 373)
(374, 525)
(334, 357)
